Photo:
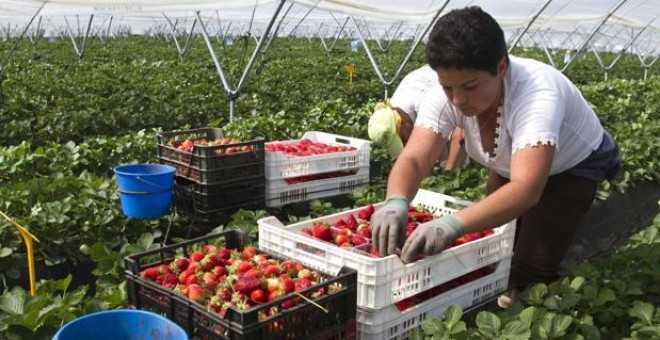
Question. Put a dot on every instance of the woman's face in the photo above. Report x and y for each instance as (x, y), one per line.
(472, 91)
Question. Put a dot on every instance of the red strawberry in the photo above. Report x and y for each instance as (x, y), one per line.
(246, 284)
(302, 284)
(249, 252)
(210, 280)
(305, 274)
(163, 269)
(274, 295)
(192, 279)
(287, 285)
(210, 249)
(196, 293)
(170, 280)
(366, 213)
(243, 266)
(209, 262)
(374, 252)
(219, 271)
(224, 253)
(365, 233)
(340, 223)
(351, 222)
(358, 240)
(322, 232)
(150, 273)
(196, 256)
(258, 296)
(341, 239)
(272, 270)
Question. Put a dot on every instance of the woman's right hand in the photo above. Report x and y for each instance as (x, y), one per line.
(389, 225)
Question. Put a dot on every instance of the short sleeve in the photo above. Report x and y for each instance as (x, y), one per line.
(435, 113)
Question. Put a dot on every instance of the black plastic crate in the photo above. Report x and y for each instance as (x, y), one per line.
(305, 321)
(215, 217)
(217, 176)
(210, 157)
(217, 196)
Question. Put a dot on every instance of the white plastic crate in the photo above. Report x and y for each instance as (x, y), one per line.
(279, 192)
(383, 281)
(280, 165)
(389, 323)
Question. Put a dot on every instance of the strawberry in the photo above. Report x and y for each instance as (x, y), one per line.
(210, 280)
(196, 293)
(209, 262)
(271, 284)
(272, 270)
(274, 295)
(182, 264)
(224, 253)
(243, 266)
(170, 280)
(219, 271)
(302, 284)
(163, 269)
(351, 222)
(341, 239)
(358, 240)
(374, 252)
(365, 233)
(258, 296)
(150, 273)
(210, 249)
(305, 274)
(249, 252)
(246, 284)
(404, 304)
(340, 223)
(192, 279)
(322, 232)
(287, 285)
(196, 256)
(487, 232)
(184, 275)
(366, 213)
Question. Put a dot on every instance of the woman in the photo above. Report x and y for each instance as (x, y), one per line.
(545, 149)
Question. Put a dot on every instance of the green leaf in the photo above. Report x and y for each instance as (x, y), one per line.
(13, 302)
(4, 252)
(488, 323)
(642, 311)
(453, 315)
(537, 293)
(515, 330)
(528, 316)
(604, 296)
(559, 325)
(577, 283)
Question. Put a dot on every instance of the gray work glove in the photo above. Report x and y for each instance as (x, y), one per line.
(431, 238)
(389, 225)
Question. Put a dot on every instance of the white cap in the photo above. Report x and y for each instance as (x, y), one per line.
(409, 93)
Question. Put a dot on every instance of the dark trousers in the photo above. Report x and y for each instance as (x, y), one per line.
(544, 232)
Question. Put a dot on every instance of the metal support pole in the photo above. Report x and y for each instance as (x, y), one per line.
(593, 33)
(233, 93)
(337, 35)
(389, 82)
(529, 24)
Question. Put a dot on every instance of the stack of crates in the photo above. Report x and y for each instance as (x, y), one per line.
(301, 176)
(214, 181)
(395, 298)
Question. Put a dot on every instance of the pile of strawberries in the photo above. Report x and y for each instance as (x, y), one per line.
(188, 144)
(220, 278)
(306, 147)
(316, 177)
(351, 232)
(443, 288)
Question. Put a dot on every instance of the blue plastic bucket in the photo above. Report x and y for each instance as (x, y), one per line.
(145, 190)
(125, 324)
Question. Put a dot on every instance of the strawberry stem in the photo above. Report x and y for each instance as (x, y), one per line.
(312, 302)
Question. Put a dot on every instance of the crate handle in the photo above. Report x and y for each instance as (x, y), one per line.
(342, 141)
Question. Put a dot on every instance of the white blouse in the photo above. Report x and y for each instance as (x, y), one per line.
(541, 106)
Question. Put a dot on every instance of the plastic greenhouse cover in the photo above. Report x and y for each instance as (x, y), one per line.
(556, 20)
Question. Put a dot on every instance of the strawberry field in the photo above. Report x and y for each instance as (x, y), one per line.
(67, 123)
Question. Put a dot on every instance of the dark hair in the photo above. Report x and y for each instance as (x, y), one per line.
(466, 38)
